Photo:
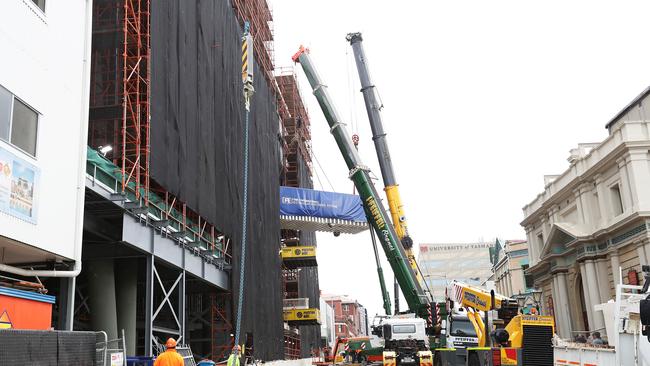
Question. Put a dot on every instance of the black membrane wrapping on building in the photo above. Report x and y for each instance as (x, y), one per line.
(197, 117)
(308, 277)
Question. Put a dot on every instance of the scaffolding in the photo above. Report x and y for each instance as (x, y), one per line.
(120, 118)
(296, 128)
(222, 341)
(259, 15)
(136, 67)
(291, 344)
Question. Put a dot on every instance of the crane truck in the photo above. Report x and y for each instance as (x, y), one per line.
(508, 342)
(391, 188)
(416, 299)
(517, 339)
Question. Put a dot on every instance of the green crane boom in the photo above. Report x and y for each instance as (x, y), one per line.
(375, 212)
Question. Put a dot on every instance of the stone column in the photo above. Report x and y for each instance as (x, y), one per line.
(557, 311)
(640, 251)
(564, 303)
(594, 295)
(639, 176)
(585, 291)
(545, 230)
(581, 205)
(532, 246)
(603, 280)
(605, 209)
(613, 257)
(626, 188)
(646, 245)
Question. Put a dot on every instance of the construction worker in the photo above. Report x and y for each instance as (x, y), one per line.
(169, 357)
(233, 360)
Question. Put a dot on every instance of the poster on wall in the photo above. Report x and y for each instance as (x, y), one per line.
(18, 182)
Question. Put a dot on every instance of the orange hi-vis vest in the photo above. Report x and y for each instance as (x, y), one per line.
(169, 358)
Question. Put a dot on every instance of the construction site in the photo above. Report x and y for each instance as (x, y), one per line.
(177, 216)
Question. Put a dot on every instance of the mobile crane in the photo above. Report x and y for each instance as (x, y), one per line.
(417, 301)
(373, 108)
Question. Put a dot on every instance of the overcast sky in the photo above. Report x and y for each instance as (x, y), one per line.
(482, 99)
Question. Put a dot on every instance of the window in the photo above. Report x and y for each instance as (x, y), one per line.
(462, 328)
(540, 241)
(40, 4)
(404, 328)
(528, 279)
(596, 206)
(18, 122)
(617, 203)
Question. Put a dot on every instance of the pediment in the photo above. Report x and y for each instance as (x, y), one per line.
(562, 234)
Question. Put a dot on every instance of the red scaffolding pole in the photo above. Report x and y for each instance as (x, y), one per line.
(135, 94)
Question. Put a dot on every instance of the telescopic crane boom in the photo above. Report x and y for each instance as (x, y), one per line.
(373, 108)
(359, 174)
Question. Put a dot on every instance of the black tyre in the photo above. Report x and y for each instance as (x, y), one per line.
(437, 360)
(472, 359)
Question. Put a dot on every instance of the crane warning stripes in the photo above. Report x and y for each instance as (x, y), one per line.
(244, 59)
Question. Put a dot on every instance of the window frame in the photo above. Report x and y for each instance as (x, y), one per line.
(616, 187)
(11, 125)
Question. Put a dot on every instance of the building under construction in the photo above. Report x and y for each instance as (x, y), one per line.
(163, 211)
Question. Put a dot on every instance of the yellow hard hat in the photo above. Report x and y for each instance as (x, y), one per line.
(171, 343)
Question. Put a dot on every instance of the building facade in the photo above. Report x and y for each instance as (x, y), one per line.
(441, 263)
(510, 261)
(350, 319)
(328, 336)
(592, 220)
(43, 142)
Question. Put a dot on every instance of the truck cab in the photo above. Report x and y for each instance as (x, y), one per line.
(405, 340)
(461, 332)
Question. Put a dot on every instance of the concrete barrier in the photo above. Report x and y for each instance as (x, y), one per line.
(300, 362)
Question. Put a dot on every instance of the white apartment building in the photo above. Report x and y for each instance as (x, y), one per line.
(591, 220)
(441, 263)
(44, 91)
(327, 334)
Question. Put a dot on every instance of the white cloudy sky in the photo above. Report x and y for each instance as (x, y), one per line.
(482, 98)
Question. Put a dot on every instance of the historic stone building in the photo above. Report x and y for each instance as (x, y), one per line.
(591, 220)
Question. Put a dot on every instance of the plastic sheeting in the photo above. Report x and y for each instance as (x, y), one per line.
(309, 202)
(197, 147)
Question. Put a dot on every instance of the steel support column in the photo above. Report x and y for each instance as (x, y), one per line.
(148, 310)
(181, 308)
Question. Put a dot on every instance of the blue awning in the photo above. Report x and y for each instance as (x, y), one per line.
(307, 209)
(331, 205)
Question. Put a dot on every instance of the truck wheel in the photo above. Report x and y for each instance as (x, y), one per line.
(437, 360)
(472, 359)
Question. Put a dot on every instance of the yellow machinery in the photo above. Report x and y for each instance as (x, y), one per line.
(373, 107)
(525, 339)
(309, 316)
(298, 256)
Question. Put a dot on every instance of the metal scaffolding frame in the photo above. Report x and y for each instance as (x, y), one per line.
(120, 117)
(221, 310)
(296, 127)
(153, 331)
(136, 68)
